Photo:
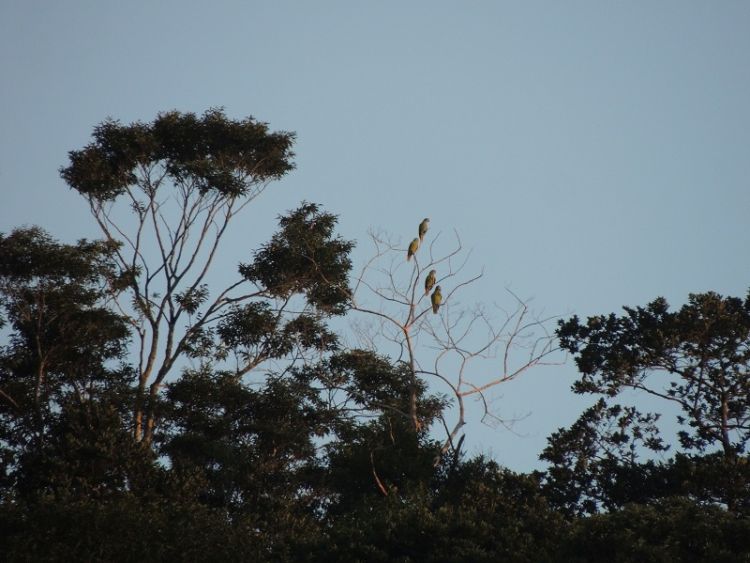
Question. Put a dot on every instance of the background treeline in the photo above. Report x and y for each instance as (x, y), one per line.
(147, 416)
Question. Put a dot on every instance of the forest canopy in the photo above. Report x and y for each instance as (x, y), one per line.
(146, 414)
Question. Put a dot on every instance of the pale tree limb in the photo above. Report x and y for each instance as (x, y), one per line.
(185, 248)
(461, 342)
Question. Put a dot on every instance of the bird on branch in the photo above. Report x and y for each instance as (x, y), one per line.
(437, 299)
(429, 281)
(423, 226)
(413, 247)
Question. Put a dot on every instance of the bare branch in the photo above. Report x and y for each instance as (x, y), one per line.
(461, 342)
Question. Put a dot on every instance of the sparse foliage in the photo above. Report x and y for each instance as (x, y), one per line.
(435, 336)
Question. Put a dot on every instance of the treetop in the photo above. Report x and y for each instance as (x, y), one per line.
(210, 151)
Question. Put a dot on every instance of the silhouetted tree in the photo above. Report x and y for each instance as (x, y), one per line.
(147, 416)
(697, 358)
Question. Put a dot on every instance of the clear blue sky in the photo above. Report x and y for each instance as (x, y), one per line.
(592, 154)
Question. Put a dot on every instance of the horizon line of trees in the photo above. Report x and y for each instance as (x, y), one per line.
(147, 415)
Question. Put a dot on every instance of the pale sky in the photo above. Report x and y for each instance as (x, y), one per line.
(592, 154)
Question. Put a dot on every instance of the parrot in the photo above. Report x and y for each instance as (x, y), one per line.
(429, 282)
(413, 247)
(423, 226)
(437, 299)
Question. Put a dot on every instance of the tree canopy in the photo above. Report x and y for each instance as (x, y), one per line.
(147, 414)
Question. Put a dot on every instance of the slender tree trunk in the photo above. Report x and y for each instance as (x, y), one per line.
(153, 392)
(413, 387)
(140, 398)
(726, 443)
(138, 411)
(730, 456)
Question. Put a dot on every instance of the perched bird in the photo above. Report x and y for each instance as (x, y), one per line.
(413, 247)
(437, 299)
(429, 281)
(423, 226)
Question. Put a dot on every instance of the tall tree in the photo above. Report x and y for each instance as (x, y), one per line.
(696, 358)
(183, 178)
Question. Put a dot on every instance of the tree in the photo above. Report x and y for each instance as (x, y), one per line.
(696, 358)
(667, 530)
(253, 450)
(183, 179)
(476, 512)
(445, 344)
(375, 452)
(63, 361)
(596, 462)
(145, 414)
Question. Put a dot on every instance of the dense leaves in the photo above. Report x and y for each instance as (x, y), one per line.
(272, 440)
(671, 530)
(304, 257)
(478, 512)
(594, 463)
(319, 461)
(696, 359)
(211, 151)
(180, 180)
(60, 362)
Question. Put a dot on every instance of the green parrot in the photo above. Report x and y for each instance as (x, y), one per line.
(423, 226)
(437, 299)
(413, 247)
(429, 282)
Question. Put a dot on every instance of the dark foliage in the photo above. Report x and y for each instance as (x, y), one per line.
(272, 441)
(697, 359)
(303, 257)
(60, 363)
(671, 530)
(212, 151)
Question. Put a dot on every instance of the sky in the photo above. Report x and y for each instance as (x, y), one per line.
(590, 154)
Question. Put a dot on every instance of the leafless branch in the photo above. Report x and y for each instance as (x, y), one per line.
(460, 344)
